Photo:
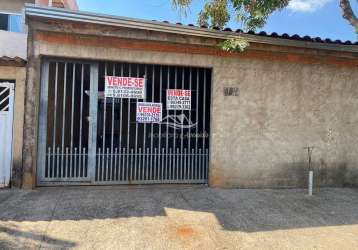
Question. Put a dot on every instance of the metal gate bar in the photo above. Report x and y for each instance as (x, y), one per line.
(63, 132)
(167, 158)
(88, 138)
(119, 158)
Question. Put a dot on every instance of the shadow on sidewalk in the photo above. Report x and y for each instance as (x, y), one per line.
(246, 210)
(14, 239)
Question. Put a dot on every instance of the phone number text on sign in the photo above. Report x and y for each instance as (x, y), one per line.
(178, 99)
(149, 112)
(124, 87)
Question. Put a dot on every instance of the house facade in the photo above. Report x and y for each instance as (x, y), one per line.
(13, 58)
(114, 100)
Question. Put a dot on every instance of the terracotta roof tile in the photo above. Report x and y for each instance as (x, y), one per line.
(276, 35)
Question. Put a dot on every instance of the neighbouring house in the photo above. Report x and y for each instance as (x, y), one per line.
(13, 58)
(115, 100)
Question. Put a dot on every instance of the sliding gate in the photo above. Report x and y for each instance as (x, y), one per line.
(86, 137)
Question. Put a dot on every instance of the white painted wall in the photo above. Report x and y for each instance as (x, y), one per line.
(13, 44)
(6, 126)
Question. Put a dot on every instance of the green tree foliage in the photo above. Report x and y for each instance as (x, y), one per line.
(251, 14)
(348, 14)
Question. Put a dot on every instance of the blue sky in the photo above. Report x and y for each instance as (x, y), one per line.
(304, 17)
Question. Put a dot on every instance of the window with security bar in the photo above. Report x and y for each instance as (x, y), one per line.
(4, 99)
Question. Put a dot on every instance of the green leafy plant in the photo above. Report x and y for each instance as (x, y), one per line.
(238, 44)
(348, 13)
(250, 14)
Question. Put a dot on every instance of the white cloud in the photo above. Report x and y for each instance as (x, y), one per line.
(307, 5)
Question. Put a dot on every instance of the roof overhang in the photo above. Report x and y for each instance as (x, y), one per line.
(12, 61)
(140, 24)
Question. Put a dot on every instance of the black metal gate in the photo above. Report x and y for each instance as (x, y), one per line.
(86, 137)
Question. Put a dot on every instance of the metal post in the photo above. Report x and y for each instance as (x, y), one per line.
(99, 164)
(140, 164)
(170, 164)
(75, 165)
(136, 140)
(92, 138)
(204, 122)
(182, 132)
(104, 131)
(197, 125)
(120, 165)
(63, 119)
(107, 167)
(160, 128)
(112, 132)
(81, 117)
(176, 171)
(310, 171)
(310, 183)
(145, 166)
(168, 172)
(72, 114)
(128, 130)
(190, 166)
(152, 166)
(43, 123)
(115, 164)
(57, 162)
(54, 122)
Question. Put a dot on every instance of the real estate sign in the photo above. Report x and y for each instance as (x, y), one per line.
(178, 99)
(124, 87)
(149, 112)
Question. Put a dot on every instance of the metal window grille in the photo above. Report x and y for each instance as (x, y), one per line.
(4, 99)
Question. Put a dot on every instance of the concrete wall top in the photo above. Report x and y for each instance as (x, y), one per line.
(95, 35)
(13, 44)
(82, 30)
(13, 6)
(17, 6)
(68, 4)
(104, 25)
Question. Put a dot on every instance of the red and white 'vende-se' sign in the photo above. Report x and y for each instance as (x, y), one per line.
(124, 87)
(178, 99)
(148, 112)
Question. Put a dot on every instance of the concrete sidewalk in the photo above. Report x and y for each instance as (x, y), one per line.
(178, 218)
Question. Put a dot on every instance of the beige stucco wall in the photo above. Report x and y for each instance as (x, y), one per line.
(258, 137)
(19, 75)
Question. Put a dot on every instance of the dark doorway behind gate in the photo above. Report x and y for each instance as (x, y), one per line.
(88, 138)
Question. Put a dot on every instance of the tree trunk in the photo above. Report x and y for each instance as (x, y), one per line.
(349, 14)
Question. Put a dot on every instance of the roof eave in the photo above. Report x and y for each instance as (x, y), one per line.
(88, 17)
(12, 61)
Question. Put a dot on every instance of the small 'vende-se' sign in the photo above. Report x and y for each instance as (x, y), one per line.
(149, 112)
(124, 87)
(178, 99)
